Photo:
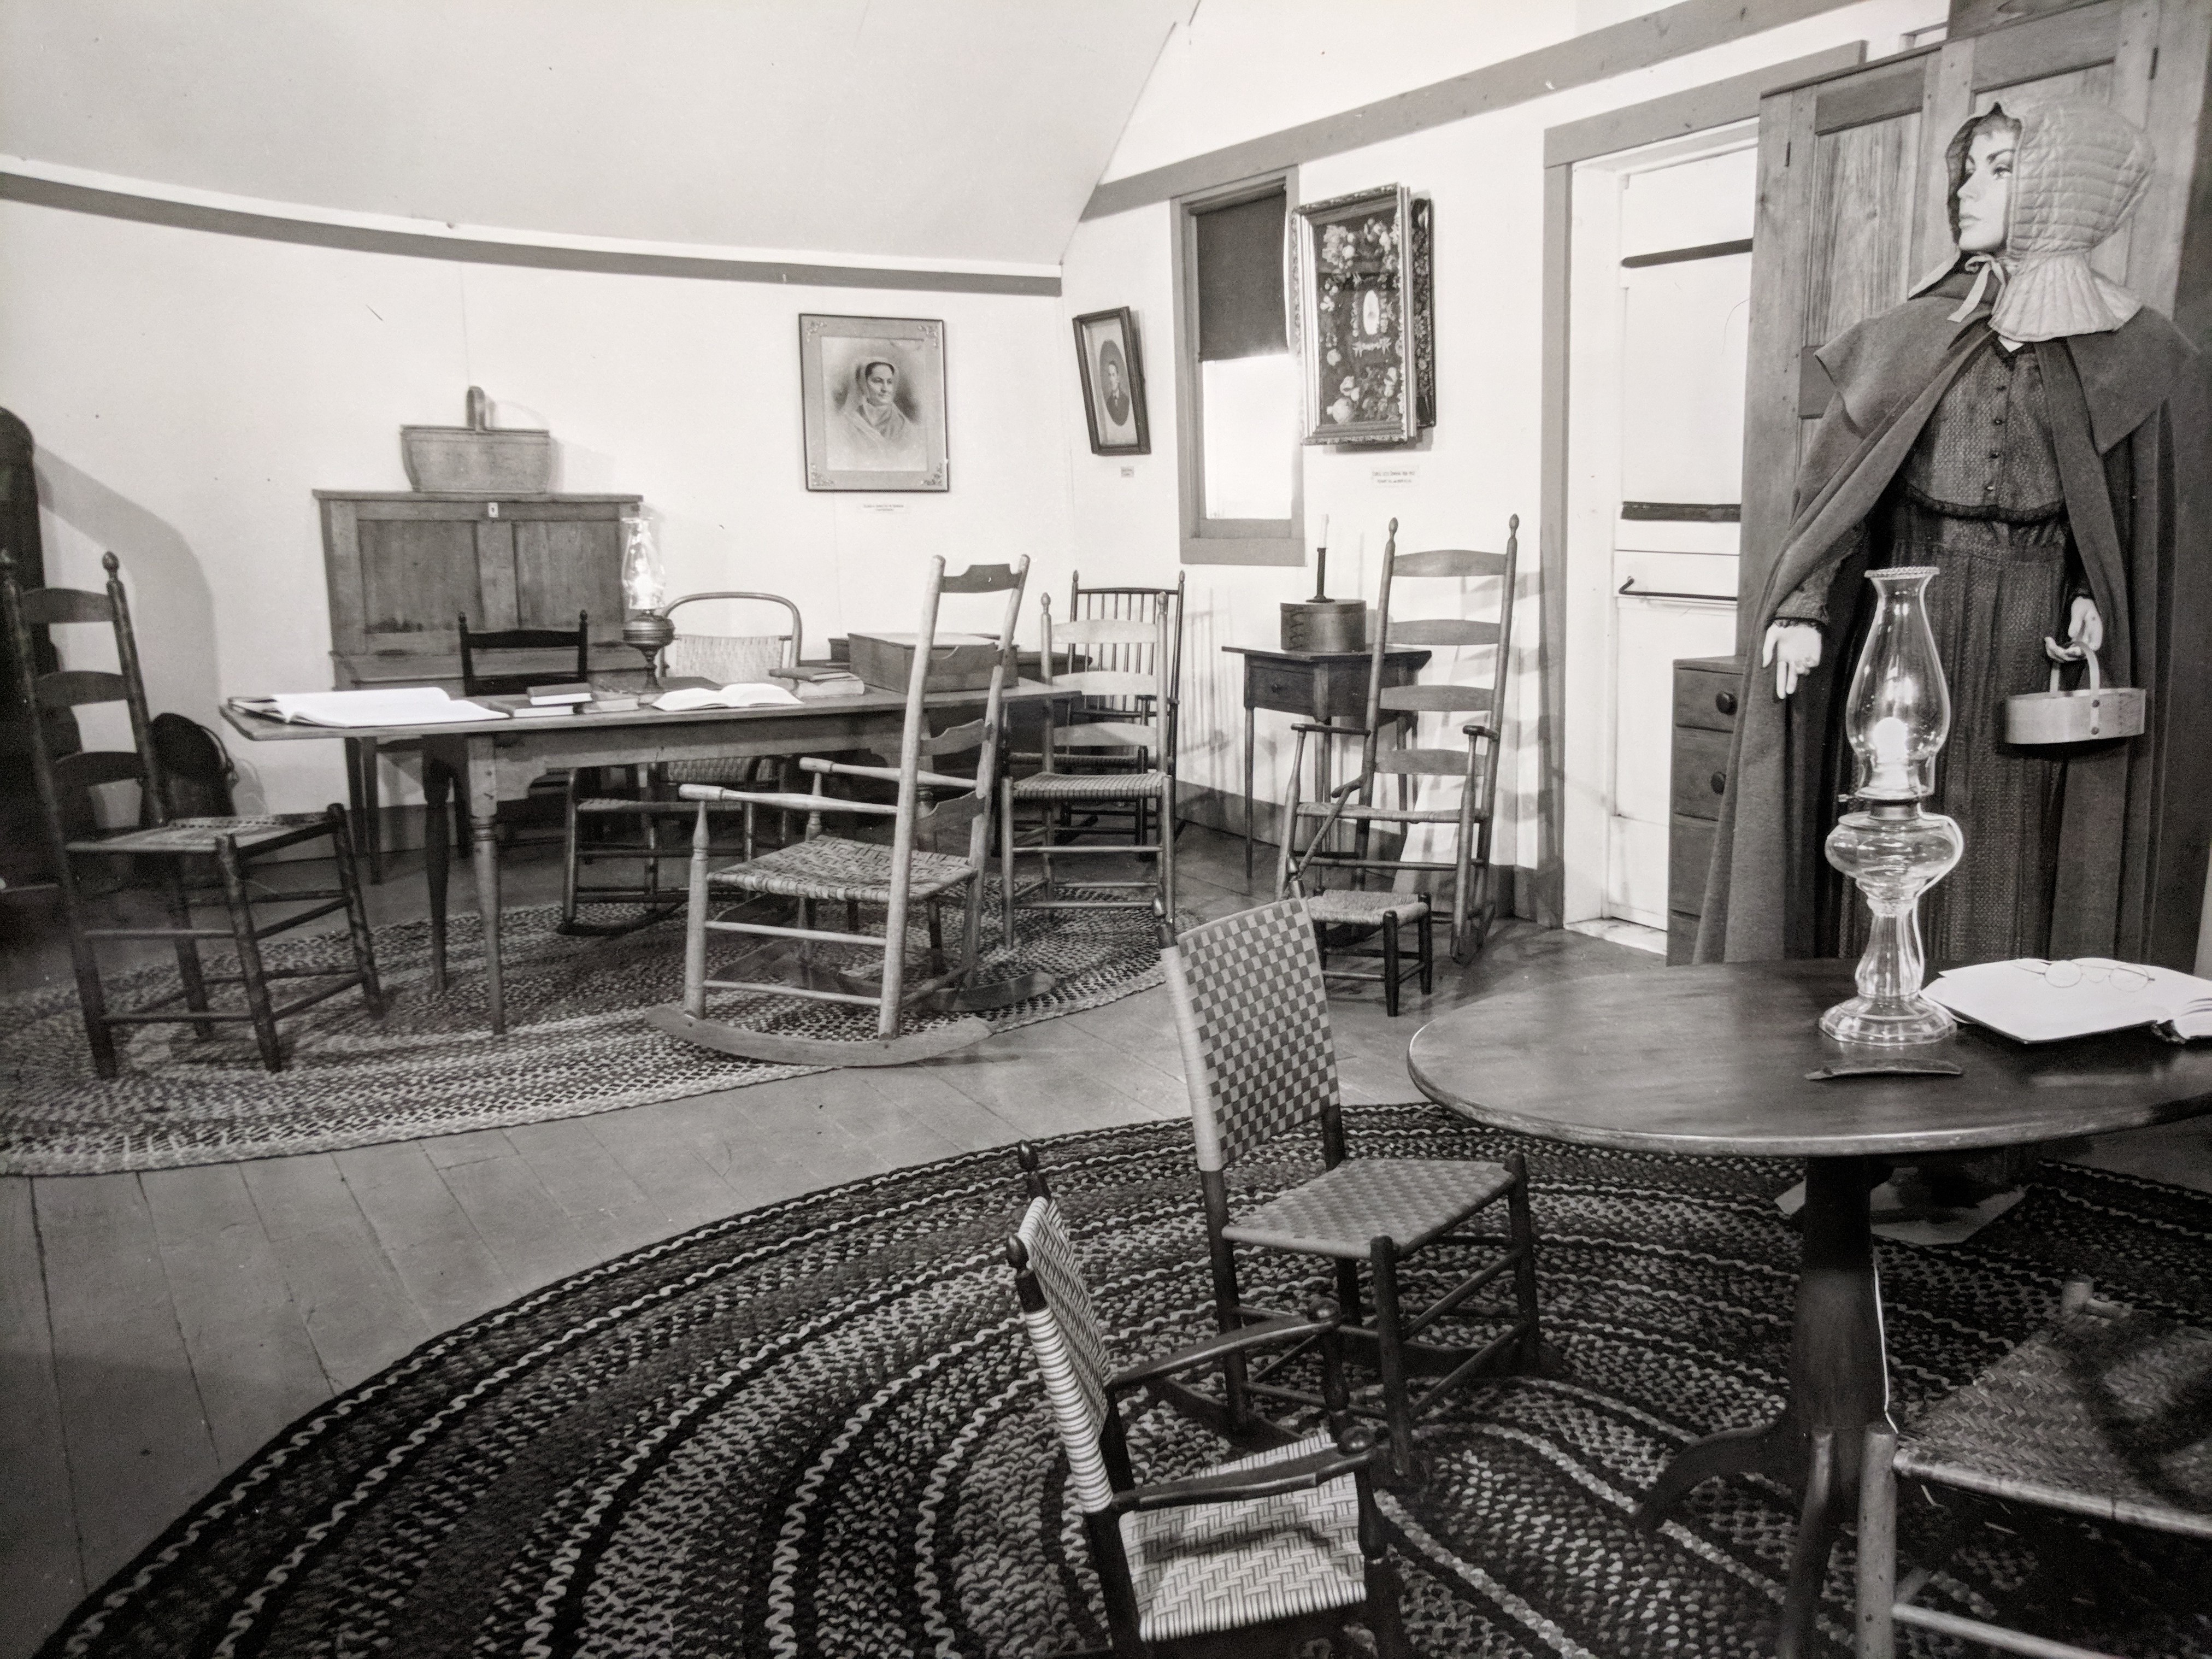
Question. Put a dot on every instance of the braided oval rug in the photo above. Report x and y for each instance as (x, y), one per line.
(814, 1429)
(576, 1042)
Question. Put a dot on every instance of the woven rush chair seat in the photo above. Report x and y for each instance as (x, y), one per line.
(1227, 1566)
(1349, 906)
(2041, 1424)
(201, 835)
(1086, 786)
(835, 869)
(1342, 1212)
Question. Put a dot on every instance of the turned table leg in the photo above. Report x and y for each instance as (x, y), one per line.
(437, 857)
(1839, 1386)
(483, 831)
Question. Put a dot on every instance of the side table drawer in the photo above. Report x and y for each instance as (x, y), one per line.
(1271, 685)
(1700, 779)
(1706, 700)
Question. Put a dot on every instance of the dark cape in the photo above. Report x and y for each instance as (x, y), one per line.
(2128, 413)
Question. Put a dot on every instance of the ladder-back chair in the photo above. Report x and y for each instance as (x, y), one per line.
(1259, 1060)
(1145, 727)
(1355, 803)
(540, 642)
(835, 869)
(1122, 604)
(2106, 1415)
(721, 660)
(235, 843)
(1281, 1537)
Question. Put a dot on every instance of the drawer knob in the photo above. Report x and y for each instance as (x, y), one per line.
(1725, 701)
(1720, 783)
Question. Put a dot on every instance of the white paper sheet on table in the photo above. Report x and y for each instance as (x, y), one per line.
(756, 696)
(2027, 1003)
(396, 705)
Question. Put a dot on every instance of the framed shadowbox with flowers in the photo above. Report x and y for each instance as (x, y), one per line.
(1360, 270)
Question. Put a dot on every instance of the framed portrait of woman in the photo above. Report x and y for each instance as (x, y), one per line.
(1364, 317)
(873, 395)
(1113, 382)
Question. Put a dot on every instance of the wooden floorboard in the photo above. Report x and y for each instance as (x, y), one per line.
(42, 1567)
(137, 1439)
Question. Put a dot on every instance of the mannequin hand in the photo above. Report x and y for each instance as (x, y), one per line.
(1793, 648)
(2085, 627)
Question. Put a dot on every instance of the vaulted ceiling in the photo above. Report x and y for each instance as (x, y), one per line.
(957, 129)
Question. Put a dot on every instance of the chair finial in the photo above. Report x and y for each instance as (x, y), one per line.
(110, 564)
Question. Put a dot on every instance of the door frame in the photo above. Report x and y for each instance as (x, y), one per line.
(1589, 733)
(1720, 103)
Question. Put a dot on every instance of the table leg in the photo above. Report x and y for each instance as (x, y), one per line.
(483, 829)
(372, 810)
(437, 857)
(1838, 1387)
(1250, 809)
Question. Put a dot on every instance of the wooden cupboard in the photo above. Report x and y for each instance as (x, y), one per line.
(403, 565)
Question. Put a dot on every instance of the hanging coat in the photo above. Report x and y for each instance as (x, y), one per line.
(2127, 408)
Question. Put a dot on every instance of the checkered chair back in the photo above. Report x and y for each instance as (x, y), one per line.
(1253, 1015)
(1071, 1351)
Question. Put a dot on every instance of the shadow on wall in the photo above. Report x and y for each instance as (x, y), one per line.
(172, 609)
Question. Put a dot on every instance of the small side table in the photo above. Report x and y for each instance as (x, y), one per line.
(1319, 685)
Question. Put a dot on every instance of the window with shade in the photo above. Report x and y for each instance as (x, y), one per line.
(1237, 382)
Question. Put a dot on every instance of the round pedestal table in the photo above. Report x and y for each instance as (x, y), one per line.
(1712, 1061)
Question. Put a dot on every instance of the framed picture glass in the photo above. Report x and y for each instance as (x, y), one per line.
(1112, 383)
(873, 395)
(1360, 275)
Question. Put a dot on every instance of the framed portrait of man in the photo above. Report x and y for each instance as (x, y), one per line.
(873, 395)
(1112, 383)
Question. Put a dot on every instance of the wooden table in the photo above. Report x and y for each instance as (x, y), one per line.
(496, 760)
(1322, 686)
(1712, 1061)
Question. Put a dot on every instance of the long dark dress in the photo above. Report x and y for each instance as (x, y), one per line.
(1980, 499)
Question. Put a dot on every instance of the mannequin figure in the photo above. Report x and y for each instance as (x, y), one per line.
(2006, 424)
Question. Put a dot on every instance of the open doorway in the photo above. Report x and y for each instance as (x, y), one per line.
(1659, 287)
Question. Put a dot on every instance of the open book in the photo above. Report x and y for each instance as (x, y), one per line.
(2035, 1001)
(757, 695)
(396, 705)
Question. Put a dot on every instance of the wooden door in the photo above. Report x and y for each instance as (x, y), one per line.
(1839, 239)
(1853, 183)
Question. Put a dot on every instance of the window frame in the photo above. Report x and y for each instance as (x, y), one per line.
(1223, 541)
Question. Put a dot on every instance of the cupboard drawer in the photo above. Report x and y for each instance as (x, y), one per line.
(1681, 938)
(1689, 858)
(1706, 700)
(1700, 777)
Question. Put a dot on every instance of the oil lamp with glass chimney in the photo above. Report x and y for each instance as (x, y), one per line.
(645, 626)
(1897, 716)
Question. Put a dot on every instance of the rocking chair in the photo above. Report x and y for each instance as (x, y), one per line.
(835, 869)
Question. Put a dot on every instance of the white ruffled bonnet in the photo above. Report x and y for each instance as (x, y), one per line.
(2078, 171)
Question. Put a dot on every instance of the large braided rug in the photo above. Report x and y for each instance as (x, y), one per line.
(576, 1043)
(815, 1429)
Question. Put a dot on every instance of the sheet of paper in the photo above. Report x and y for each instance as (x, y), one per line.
(2034, 1001)
(398, 705)
(758, 695)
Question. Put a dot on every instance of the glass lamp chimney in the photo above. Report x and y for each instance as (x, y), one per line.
(645, 583)
(1899, 710)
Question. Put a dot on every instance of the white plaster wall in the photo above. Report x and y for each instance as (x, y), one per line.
(187, 390)
(1482, 459)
